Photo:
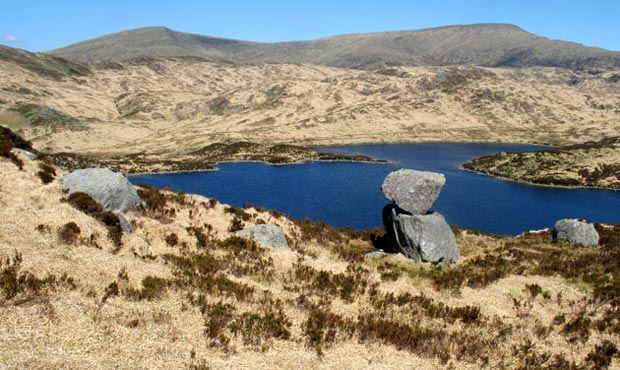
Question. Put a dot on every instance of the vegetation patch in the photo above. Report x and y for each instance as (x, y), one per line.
(19, 287)
(86, 204)
(10, 140)
(44, 116)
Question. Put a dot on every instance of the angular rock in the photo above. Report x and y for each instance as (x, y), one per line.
(266, 235)
(413, 191)
(25, 153)
(111, 189)
(423, 238)
(576, 231)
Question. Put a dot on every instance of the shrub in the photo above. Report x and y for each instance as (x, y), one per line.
(534, 289)
(238, 213)
(600, 357)
(113, 224)
(10, 140)
(235, 225)
(91, 207)
(217, 316)
(14, 282)
(69, 233)
(172, 240)
(321, 328)
(47, 173)
(85, 203)
(202, 240)
(45, 177)
(256, 328)
(153, 287)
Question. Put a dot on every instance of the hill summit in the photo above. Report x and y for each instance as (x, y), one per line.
(492, 45)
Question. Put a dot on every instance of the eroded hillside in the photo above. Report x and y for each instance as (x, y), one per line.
(181, 105)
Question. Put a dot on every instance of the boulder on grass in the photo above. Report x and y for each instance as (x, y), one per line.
(575, 231)
(413, 191)
(266, 235)
(111, 189)
(423, 238)
(25, 153)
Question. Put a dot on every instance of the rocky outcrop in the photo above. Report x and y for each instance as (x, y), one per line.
(575, 231)
(266, 235)
(413, 191)
(111, 189)
(410, 228)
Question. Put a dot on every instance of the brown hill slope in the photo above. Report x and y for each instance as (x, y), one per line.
(178, 105)
(182, 292)
(493, 45)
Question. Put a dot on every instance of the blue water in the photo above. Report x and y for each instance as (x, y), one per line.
(349, 194)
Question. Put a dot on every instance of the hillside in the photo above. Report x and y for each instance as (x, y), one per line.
(173, 106)
(491, 45)
(182, 292)
(591, 164)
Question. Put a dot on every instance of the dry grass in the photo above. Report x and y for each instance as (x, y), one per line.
(207, 299)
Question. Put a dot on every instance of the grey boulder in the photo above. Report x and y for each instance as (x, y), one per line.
(111, 189)
(576, 231)
(413, 191)
(25, 153)
(423, 238)
(266, 235)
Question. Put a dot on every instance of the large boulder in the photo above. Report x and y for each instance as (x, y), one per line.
(111, 189)
(423, 238)
(266, 235)
(413, 191)
(576, 231)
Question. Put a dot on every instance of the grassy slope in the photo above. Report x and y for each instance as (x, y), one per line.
(202, 299)
(480, 44)
(593, 164)
(180, 105)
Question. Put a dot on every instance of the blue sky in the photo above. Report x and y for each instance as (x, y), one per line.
(43, 25)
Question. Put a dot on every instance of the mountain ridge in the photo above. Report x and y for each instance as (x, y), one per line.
(487, 44)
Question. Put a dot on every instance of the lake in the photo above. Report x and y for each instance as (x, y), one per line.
(349, 194)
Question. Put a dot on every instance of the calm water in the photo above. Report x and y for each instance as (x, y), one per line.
(349, 194)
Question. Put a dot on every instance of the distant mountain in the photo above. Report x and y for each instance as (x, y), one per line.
(493, 45)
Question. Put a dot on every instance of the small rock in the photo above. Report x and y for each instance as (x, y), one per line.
(125, 226)
(266, 235)
(25, 153)
(413, 191)
(423, 238)
(576, 231)
(111, 189)
(375, 254)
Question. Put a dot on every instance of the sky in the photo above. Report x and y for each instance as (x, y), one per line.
(45, 25)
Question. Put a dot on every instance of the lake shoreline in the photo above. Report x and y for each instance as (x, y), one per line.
(550, 186)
